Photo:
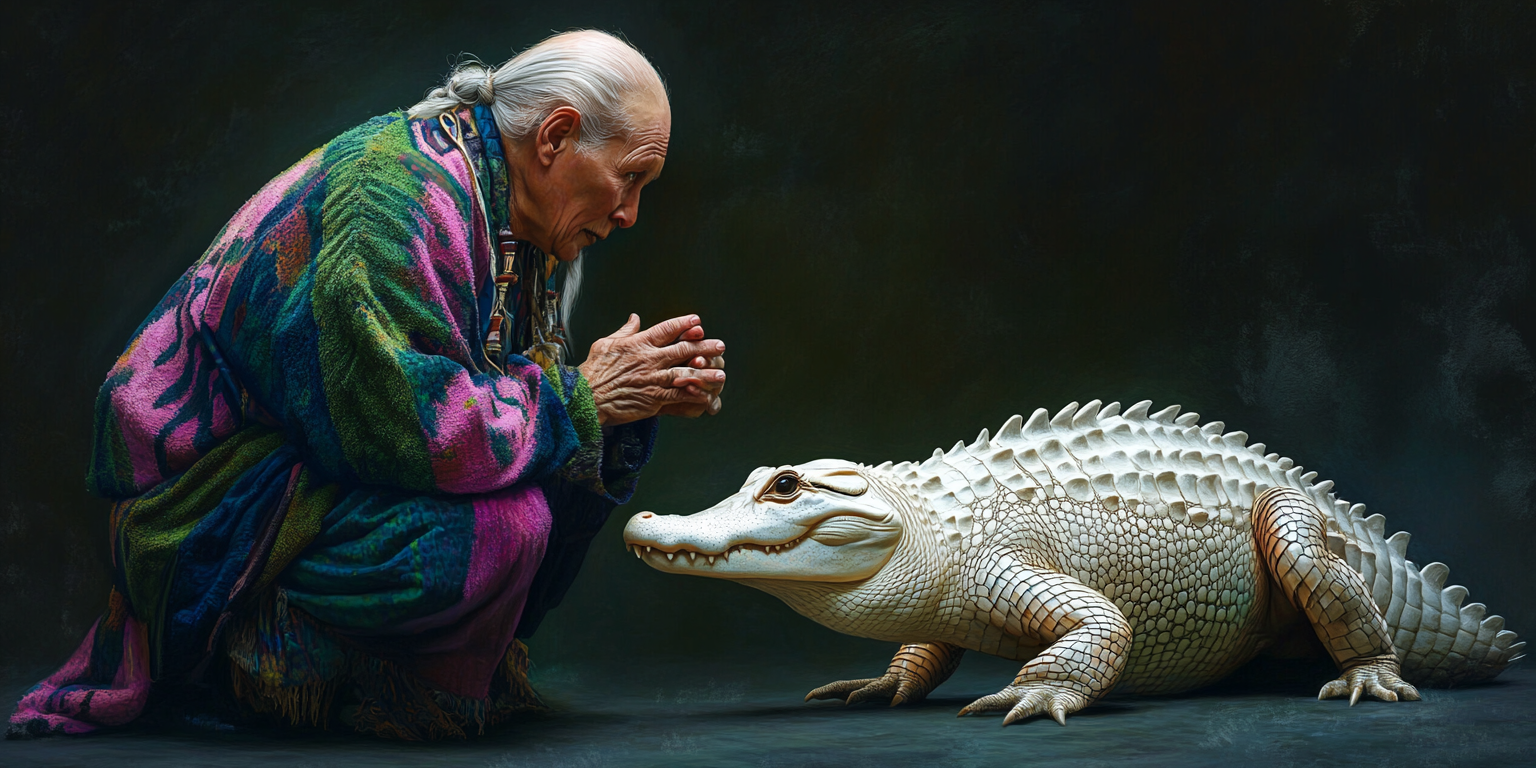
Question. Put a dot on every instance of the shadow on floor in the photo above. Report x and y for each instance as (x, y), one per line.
(716, 715)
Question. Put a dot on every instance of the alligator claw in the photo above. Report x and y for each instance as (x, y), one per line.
(846, 690)
(1378, 678)
(1026, 700)
(894, 688)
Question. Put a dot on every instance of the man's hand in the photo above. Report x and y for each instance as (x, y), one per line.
(668, 368)
(696, 380)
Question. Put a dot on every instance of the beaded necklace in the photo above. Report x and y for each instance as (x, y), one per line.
(525, 310)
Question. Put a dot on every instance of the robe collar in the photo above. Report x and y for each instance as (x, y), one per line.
(492, 175)
(493, 172)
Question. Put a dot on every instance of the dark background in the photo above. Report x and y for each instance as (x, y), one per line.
(1311, 220)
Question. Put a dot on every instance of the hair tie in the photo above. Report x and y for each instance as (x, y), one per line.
(490, 83)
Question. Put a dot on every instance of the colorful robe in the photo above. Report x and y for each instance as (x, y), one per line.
(317, 473)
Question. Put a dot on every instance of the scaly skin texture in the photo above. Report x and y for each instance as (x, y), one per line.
(1139, 553)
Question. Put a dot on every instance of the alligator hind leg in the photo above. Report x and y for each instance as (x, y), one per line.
(917, 669)
(1335, 599)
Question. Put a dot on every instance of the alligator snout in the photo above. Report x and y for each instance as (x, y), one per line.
(670, 533)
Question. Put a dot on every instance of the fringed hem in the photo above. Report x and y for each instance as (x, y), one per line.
(511, 692)
(391, 703)
(296, 704)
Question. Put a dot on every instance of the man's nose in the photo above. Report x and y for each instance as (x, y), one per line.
(628, 212)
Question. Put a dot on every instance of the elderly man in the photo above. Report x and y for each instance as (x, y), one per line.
(350, 464)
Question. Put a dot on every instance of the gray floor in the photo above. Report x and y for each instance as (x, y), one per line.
(688, 715)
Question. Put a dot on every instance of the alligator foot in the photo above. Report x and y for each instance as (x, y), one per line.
(1378, 677)
(915, 671)
(885, 688)
(1023, 700)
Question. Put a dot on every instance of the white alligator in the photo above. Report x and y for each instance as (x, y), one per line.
(1136, 551)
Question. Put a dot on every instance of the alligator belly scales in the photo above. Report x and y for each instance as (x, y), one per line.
(1137, 551)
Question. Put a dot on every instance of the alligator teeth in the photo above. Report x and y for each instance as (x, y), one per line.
(638, 556)
(671, 555)
(691, 555)
(711, 559)
(647, 550)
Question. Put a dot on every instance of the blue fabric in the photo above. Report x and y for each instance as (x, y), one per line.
(384, 557)
(211, 557)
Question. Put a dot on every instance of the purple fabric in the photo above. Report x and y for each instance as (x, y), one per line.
(457, 650)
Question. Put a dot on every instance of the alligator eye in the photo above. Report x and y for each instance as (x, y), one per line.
(786, 485)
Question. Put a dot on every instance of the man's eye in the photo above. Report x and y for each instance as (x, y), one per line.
(786, 485)
(632, 176)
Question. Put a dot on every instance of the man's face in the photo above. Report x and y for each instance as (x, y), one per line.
(587, 195)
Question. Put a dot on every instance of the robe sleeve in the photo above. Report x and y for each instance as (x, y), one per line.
(607, 462)
(405, 404)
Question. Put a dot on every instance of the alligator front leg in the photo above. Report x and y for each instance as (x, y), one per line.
(1089, 640)
(916, 670)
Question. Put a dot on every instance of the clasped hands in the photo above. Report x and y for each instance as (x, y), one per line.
(668, 369)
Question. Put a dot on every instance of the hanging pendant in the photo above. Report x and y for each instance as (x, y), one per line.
(506, 277)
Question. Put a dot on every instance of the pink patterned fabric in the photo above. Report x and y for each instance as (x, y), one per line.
(67, 703)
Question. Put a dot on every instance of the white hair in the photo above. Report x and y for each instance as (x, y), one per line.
(595, 72)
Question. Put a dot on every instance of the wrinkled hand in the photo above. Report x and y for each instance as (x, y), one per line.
(669, 368)
(699, 380)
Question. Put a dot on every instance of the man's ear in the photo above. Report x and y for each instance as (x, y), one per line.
(557, 132)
